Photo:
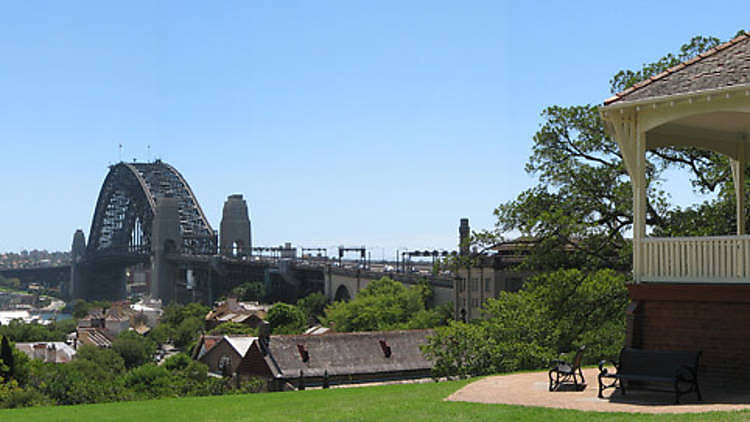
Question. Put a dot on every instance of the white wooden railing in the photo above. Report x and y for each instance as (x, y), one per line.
(717, 259)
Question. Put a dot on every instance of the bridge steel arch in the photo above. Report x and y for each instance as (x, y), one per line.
(122, 227)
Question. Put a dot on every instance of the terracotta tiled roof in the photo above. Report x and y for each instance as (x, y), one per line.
(723, 66)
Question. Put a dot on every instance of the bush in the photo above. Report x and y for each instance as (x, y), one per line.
(386, 304)
(134, 349)
(555, 313)
(286, 319)
(230, 327)
(313, 305)
(150, 381)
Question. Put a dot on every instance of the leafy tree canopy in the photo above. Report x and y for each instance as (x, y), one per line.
(578, 213)
(555, 312)
(385, 304)
(286, 319)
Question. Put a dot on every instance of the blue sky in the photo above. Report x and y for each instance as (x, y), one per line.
(341, 122)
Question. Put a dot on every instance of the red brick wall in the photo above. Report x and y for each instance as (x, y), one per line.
(254, 364)
(212, 357)
(712, 318)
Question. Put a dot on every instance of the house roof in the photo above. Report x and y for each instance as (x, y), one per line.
(347, 353)
(232, 310)
(726, 65)
(205, 343)
(240, 343)
(62, 351)
(95, 336)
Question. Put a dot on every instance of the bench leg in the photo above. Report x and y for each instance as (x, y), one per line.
(580, 373)
(550, 379)
(622, 387)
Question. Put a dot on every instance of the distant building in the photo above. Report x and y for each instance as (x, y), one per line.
(50, 352)
(101, 326)
(223, 356)
(231, 310)
(485, 275)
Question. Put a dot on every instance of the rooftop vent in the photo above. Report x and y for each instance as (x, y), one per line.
(303, 353)
(386, 348)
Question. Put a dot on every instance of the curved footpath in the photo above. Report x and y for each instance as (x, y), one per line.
(531, 389)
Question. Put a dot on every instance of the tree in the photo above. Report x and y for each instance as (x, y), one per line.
(6, 359)
(230, 327)
(578, 213)
(187, 332)
(254, 291)
(134, 349)
(385, 304)
(555, 312)
(286, 319)
(80, 309)
(313, 305)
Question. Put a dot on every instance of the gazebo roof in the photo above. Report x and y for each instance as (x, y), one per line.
(726, 65)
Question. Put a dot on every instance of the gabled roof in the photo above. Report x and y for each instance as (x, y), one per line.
(205, 343)
(240, 343)
(96, 336)
(726, 65)
(348, 353)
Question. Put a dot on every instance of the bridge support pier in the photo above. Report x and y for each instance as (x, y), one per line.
(234, 231)
(165, 239)
(77, 255)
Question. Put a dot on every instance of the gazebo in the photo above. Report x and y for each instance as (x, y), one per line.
(690, 292)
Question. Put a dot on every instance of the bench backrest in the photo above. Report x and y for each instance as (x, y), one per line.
(658, 363)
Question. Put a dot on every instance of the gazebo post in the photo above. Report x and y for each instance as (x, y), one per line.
(738, 175)
(638, 180)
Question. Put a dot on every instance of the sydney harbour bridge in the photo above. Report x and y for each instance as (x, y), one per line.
(146, 215)
(147, 218)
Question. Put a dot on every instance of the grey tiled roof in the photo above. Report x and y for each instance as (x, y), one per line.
(723, 66)
(348, 353)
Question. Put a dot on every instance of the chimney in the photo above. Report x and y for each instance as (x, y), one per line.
(51, 353)
(264, 336)
(464, 233)
(386, 348)
(40, 350)
(303, 353)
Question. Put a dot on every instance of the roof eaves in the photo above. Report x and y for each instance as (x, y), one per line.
(619, 96)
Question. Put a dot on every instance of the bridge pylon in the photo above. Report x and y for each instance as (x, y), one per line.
(165, 239)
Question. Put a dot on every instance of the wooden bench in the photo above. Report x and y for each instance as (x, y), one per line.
(679, 369)
(563, 372)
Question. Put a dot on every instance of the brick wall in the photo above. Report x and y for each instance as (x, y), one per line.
(712, 318)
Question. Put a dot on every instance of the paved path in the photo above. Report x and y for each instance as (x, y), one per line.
(531, 389)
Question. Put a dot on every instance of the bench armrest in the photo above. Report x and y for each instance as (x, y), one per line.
(684, 370)
(602, 369)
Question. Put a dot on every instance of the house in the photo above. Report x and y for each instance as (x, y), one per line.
(96, 336)
(223, 356)
(690, 293)
(336, 358)
(101, 326)
(50, 351)
(231, 310)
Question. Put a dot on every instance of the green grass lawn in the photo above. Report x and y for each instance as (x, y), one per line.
(409, 402)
